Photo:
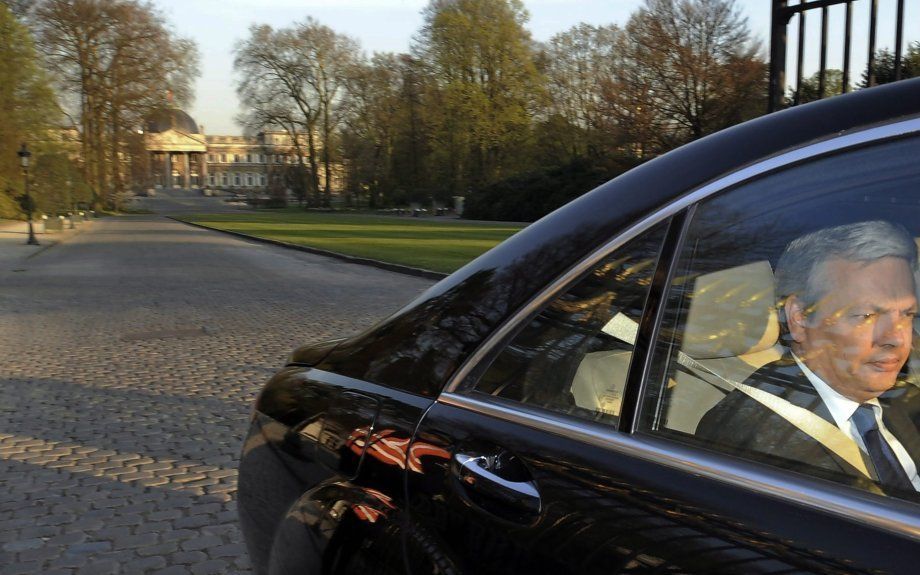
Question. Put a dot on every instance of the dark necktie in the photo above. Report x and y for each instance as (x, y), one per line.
(887, 467)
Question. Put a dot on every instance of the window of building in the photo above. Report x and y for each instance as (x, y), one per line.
(223, 158)
(236, 179)
(249, 181)
(771, 350)
(262, 180)
(248, 158)
(574, 356)
(211, 180)
(223, 179)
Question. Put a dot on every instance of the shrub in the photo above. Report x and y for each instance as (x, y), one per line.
(530, 196)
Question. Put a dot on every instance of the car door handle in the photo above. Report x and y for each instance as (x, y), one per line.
(474, 474)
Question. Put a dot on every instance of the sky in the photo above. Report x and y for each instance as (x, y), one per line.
(389, 25)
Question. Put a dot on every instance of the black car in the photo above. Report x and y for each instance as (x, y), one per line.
(538, 410)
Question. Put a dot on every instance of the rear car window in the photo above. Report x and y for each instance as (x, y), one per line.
(573, 356)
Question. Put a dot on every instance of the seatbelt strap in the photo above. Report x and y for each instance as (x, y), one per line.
(815, 426)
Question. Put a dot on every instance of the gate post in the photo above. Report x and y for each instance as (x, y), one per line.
(779, 20)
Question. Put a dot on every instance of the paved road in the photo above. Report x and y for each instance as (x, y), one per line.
(131, 352)
(182, 202)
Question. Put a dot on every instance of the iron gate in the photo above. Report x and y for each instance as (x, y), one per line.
(782, 16)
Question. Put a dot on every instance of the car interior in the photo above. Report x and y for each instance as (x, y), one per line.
(730, 330)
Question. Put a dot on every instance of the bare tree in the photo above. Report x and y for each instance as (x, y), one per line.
(134, 82)
(375, 113)
(294, 78)
(19, 8)
(119, 60)
(579, 64)
(690, 68)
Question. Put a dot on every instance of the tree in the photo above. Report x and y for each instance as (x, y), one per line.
(294, 78)
(481, 60)
(133, 82)
(883, 71)
(641, 130)
(578, 65)
(19, 8)
(689, 69)
(371, 124)
(118, 60)
(810, 90)
(413, 171)
(30, 111)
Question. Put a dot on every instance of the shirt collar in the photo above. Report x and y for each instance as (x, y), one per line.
(841, 408)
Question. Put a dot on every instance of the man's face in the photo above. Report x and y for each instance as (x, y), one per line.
(858, 336)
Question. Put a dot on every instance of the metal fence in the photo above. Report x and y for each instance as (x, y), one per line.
(782, 16)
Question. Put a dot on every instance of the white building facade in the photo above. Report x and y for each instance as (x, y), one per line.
(181, 156)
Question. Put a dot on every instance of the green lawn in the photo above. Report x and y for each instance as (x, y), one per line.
(439, 245)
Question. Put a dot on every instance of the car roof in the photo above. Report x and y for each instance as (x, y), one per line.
(421, 346)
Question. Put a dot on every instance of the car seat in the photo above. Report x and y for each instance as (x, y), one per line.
(731, 329)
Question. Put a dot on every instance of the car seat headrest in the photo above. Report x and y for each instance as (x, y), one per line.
(732, 312)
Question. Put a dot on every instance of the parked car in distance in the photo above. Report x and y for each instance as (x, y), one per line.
(541, 409)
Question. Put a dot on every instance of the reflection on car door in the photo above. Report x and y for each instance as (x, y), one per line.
(545, 503)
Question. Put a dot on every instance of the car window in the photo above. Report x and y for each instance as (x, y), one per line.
(573, 357)
(788, 328)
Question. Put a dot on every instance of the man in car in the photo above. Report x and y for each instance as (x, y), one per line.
(837, 404)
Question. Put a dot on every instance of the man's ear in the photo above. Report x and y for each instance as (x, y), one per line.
(795, 317)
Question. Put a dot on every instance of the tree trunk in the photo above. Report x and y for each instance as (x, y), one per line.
(327, 184)
(314, 165)
(115, 143)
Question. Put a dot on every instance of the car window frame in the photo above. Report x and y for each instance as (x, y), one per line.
(894, 515)
(670, 240)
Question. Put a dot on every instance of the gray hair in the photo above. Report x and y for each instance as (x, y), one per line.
(800, 269)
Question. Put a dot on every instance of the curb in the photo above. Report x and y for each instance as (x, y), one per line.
(407, 270)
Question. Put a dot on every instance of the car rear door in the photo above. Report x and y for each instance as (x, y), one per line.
(561, 459)
(517, 496)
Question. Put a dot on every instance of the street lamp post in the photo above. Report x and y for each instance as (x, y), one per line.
(24, 155)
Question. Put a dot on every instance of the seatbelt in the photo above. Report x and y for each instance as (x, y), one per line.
(813, 425)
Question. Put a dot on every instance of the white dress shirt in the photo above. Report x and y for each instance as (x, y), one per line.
(843, 408)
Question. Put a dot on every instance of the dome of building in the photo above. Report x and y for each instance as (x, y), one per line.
(171, 119)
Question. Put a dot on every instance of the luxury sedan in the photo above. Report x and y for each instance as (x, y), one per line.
(705, 365)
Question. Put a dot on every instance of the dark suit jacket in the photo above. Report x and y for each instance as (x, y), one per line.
(742, 426)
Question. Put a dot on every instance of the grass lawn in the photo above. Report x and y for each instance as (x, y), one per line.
(439, 245)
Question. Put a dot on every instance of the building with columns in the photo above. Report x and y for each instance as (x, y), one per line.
(177, 151)
(180, 155)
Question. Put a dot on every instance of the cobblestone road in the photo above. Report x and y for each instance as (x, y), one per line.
(131, 353)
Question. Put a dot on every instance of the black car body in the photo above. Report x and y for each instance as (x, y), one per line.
(439, 442)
